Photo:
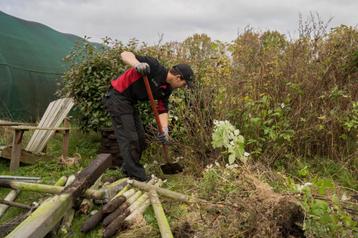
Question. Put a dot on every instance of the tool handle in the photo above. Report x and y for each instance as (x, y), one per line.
(156, 114)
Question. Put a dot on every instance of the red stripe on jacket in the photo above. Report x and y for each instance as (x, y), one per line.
(125, 80)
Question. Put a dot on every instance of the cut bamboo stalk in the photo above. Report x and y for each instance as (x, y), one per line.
(144, 197)
(130, 199)
(32, 187)
(21, 178)
(136, 216)
(87, 203)
(142, 201)
(113, 227)
(121, 212)
(113, 204)
(118, 200)
(9, 197)
(61, 181)
(14, 204)
(108, 192)
(120, 193)
(44, 188)
(117, 224)
(68, 217)
(165, 192)
(93, 221)
(70, 180)
(163, 223)
(113, 188)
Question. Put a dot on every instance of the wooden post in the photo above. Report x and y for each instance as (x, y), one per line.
(16, 149)
(66, 137)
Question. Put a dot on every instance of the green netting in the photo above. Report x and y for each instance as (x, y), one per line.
(31, 66)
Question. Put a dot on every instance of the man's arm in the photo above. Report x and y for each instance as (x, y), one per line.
(163, 118)
(164, 137)
(129, 58)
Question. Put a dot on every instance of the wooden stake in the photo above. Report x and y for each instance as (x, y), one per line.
(66, 138)
(16, 149)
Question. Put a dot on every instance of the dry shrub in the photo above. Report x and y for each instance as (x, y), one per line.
(252, 208)
(299, 95)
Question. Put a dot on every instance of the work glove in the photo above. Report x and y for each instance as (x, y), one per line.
(143, 68)
(164, 137)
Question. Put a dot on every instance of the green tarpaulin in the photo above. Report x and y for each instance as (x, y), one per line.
(31, 66)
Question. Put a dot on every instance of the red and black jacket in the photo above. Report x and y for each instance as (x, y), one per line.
(131, 83)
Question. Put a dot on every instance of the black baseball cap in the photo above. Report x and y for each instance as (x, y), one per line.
(186, 73)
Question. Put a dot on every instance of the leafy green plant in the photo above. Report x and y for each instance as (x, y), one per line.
(326, 208)
(326, 216)
(227, 136)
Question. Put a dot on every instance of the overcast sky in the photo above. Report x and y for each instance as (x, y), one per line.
(176, 19)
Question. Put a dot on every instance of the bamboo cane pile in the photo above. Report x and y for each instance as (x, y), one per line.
(125, 209)
(122, 202)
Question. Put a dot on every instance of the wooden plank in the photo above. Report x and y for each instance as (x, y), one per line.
(44, 218)
(16, 150)
(41, 128)
(2, 123)
(50, 212)
(66, 139)
(49, 108)
(26, 156)
(49, 123)
(52, 119)
(44, 117)
(89, 175)
(66, 109)
(46, 123)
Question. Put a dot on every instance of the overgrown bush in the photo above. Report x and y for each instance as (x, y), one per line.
(287, 97)
(299, 95)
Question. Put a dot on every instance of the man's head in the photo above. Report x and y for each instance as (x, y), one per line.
(180, 75)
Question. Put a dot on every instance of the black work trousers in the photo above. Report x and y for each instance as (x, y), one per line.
(129, 131)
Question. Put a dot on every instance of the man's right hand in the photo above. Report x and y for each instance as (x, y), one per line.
(143, 68)
(164, 137)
